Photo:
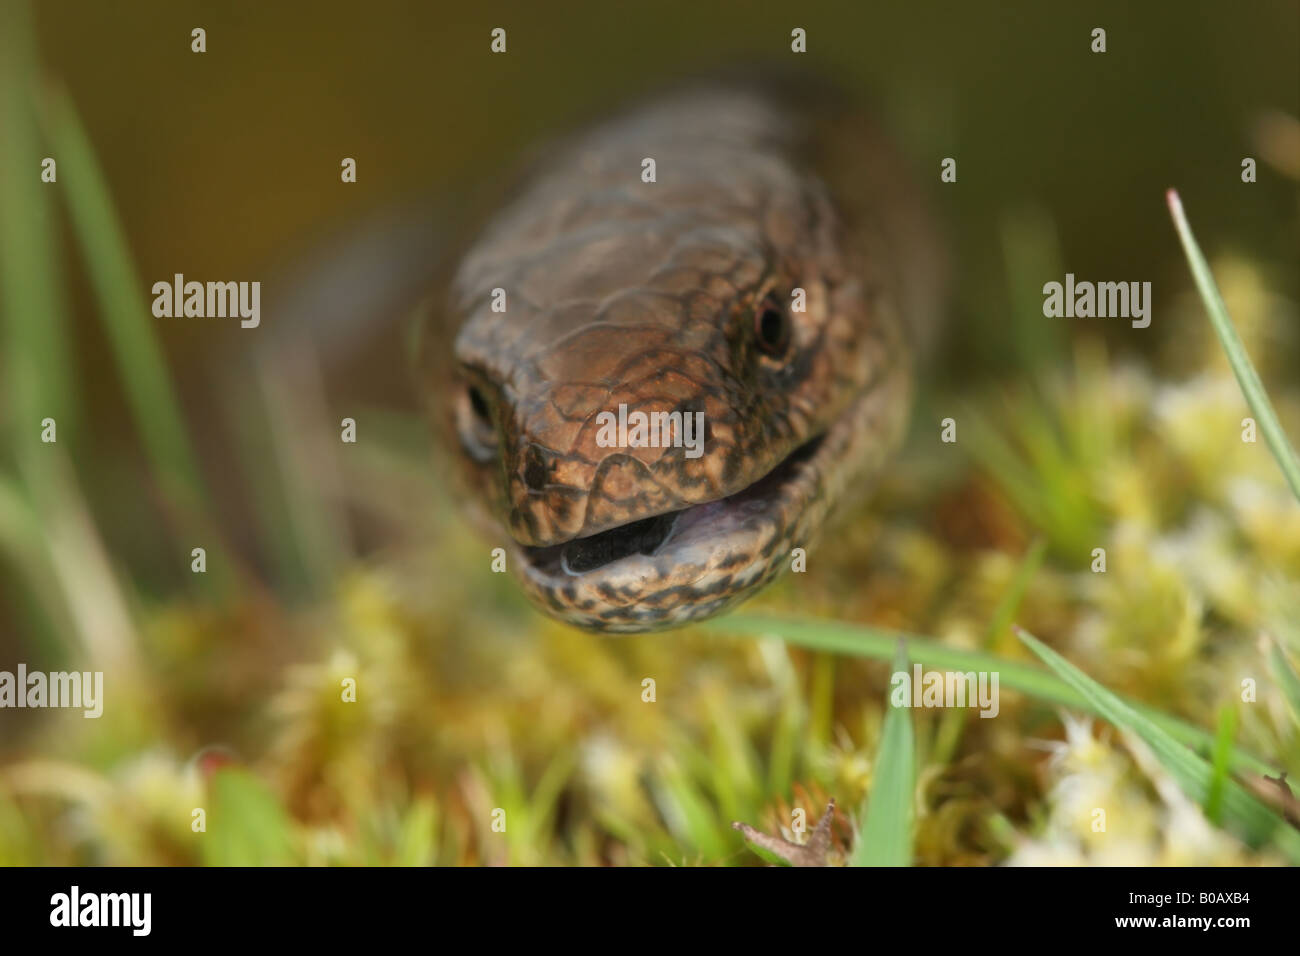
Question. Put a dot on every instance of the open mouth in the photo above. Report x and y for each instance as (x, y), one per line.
(597, 550)
(686, 529)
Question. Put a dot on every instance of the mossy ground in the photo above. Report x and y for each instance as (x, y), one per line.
(467, 701)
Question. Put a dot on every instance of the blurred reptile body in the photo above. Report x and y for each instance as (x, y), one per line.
(678, 295)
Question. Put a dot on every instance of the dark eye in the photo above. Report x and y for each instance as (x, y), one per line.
(474, 422)
(772, 326)
(479, 406)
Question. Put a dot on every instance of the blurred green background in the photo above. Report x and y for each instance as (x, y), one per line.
(225, 165)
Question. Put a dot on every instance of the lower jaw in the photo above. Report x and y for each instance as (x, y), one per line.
(664, 605)
(709, 557)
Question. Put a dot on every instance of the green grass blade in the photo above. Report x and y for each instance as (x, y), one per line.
(1242, 367)
(24, 546)
(1031, 249)
(689, 815)
(1286, 679)
(878, 643)
(1219, 768)
(821, 698)
(37, 365)
(886, 835)
(246, 825)
(545, 799)
(1242, 812)
(1005, 612)
(126, 315)
(417, 843)
(789, 720)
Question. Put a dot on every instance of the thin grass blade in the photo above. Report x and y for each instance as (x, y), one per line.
(1287, 679)
(136, 349)
(1219, 768)
(858, 640)
(1242, 367)
(886, 835)
(1242, 812)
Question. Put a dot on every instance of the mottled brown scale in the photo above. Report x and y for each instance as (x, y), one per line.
(620, 291)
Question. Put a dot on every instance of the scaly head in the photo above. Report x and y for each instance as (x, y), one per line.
(727, 308)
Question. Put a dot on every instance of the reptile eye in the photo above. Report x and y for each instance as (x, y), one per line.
(474, 422)
(478, 404)
(772, 326)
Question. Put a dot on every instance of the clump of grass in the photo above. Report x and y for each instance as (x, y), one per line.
(47, 529)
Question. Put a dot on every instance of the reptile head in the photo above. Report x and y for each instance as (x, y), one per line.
(725, 310)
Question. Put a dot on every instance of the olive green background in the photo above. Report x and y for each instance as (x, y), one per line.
(222, 161)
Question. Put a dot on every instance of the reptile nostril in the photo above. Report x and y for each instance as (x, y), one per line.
(536, 471)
